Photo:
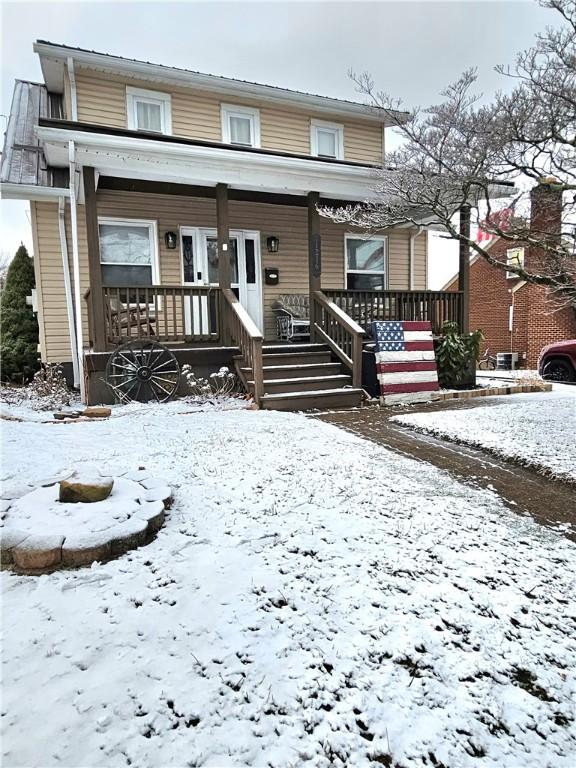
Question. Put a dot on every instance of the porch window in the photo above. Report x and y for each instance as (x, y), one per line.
(240, 126)
(327, 140)
(148, 110)
(128, 252)
(365, 263)
(515, 258)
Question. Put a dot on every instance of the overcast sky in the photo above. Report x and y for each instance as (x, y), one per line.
(412, 49)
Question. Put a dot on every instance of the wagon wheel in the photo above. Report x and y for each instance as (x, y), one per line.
(141, 371)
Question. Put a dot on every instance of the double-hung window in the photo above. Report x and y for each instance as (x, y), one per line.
(128, 252)
(515, 258)
(240, 125)
(327, 140)
(148, 110)
(365, 263)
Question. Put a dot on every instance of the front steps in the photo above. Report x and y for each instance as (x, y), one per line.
(300, 377)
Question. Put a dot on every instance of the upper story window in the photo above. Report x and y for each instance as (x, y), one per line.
(327, 139)
(148, 110)
(515, 258)
(365, 263)
(240, 126)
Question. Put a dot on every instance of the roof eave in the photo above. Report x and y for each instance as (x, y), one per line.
(53, 61)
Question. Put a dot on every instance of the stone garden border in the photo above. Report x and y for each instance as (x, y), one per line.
(28, 553)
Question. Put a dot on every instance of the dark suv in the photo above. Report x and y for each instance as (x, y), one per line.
(557, 362)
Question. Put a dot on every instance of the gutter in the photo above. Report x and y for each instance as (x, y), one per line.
(68, 290)
(11, 191)
(73, 93)
(413, 237)
(76, 268)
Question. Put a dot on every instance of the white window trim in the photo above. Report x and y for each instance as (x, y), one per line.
(381, 238)
(133, 95)
(232, 110)
(513, 275)
(338, 130)
(153, 234)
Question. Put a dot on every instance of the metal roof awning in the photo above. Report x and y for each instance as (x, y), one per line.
(24, 171)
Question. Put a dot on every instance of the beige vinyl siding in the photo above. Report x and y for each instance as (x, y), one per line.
(196, 115)
(289, 224)
(399, 264)
(53, 321)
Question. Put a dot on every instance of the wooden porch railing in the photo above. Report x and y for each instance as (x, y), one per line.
(244, 332)
(166, 313)
(438, 307)
(342, 334)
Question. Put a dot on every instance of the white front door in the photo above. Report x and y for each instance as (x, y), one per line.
(199, 248)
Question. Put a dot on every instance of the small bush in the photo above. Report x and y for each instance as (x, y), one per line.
(47, 390)
(455, 352)
(221, 384)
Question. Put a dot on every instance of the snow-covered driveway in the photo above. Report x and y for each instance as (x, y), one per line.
(314, 599)
(538, 430)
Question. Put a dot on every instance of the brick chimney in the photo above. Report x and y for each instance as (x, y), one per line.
(545, 217)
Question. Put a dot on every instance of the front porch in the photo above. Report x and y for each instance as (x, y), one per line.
(180, 315)
(195, 317)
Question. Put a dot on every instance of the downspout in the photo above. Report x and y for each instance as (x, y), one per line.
(76, 268)
(413, 237)
(68, 290)
(73, 97)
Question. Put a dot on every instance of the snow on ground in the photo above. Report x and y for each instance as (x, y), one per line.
(313, 599)
(537, 429)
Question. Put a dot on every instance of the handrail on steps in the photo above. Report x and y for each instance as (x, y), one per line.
(342, 334)
(247, 336)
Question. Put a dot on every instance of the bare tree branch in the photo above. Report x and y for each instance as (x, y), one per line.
(464, 152)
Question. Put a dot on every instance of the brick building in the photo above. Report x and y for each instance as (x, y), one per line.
(516, 316)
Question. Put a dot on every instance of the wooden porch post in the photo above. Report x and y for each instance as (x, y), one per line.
(223, 231)
(314, 257)
(94, 268)
(464, 271)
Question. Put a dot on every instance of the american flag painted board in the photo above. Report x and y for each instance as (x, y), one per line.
(405, 360)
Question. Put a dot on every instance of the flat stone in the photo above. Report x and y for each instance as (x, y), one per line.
(97, 412)
(153, 513)
(161, 493)
(10, 538)
(38, 552)
(138, 476)
(14, 490)
(86, 490)
(128, 535)
(61, 415)
(84, 549)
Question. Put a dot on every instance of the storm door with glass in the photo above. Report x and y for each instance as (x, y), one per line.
(200, 267)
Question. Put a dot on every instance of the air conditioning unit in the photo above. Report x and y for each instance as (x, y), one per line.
(506, 361)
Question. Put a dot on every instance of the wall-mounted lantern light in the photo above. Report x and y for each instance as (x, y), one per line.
(171, 240)
(272, 243)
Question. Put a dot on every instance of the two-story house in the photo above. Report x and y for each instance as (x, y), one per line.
(177, 207)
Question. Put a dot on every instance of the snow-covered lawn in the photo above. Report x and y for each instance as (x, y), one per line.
(313, 599)
(538, 430)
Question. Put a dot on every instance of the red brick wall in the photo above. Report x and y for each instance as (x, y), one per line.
(545, 325)
(535, 323)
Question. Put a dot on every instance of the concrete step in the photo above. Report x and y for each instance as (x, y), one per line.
(313, 399)
(307, 383)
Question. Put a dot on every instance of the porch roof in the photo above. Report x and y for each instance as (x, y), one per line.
(129, 154)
